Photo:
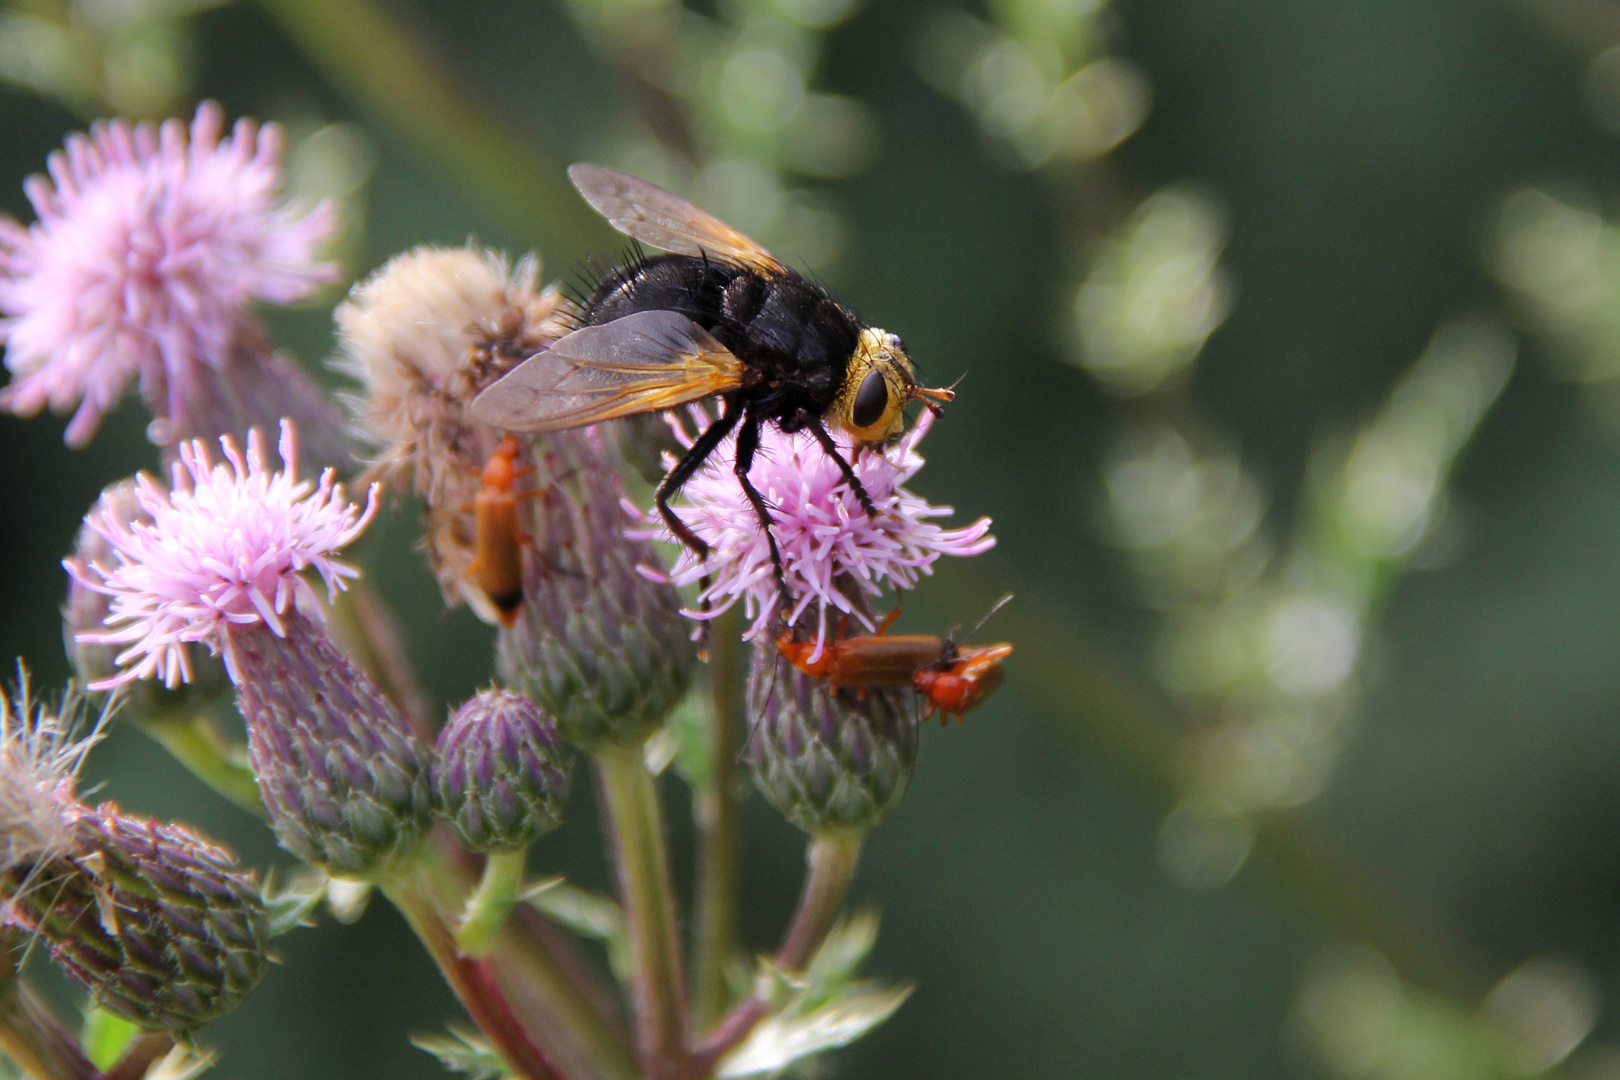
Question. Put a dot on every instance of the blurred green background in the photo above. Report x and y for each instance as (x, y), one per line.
(1357, 158)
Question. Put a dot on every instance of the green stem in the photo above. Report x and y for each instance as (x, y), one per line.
(488, 908)
(832, 860)
(197, 744)
(636, 828)
(714, 808)
(391, 72)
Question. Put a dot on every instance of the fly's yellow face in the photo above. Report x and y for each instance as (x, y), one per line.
(878, 384)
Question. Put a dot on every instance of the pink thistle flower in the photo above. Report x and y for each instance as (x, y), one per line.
(226, 545)
(828, 542)
(148, 247)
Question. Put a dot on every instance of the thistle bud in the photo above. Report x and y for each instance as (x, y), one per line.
(598, 643)
(829, 761)
(151, 919)
(501, 774)
(345, 781)
(155, 922)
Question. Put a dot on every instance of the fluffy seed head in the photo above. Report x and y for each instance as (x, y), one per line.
(149, 245)
(41, 749)
(423, 335)
(226, 544)
(830, 546)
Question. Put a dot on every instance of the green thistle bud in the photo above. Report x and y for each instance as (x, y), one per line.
(501, 773)
(152, 920)
(597, 644)
(345, 781)
(829, 761)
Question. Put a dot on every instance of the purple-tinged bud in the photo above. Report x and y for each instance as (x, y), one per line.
(598, 643)
(221, 560)
(829, 761)
(154, 921)
(345, 781)
(501, 772)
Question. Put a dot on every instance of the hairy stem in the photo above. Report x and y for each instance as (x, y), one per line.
(488, 908)
(636, 830)
(555, 999)
(714, 807)
(832, 861)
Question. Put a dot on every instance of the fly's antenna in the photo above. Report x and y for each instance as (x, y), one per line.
(934, 397)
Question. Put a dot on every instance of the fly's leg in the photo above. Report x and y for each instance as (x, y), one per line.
(682, 472)
(844, 467)
(747, 443)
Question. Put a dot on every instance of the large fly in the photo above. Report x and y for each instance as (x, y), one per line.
(719, 316)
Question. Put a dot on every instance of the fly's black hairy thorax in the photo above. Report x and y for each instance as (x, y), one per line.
(793, 338)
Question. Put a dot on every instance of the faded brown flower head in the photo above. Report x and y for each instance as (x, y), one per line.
(423, 335)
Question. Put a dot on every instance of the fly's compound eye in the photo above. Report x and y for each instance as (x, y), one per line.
(871, 400)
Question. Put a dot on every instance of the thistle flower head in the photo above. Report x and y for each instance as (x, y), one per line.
(150, 243)
(227, 544)
(829, 544)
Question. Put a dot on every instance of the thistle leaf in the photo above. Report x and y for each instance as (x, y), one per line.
(105, 1036)
(464, 1052)
(586, 913)
(294, 906)
(781, 1040)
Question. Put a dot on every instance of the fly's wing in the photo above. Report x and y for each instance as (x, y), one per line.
(642, 362)
(668, 222)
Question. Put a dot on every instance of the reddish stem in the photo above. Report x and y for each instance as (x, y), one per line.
(475, 985)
